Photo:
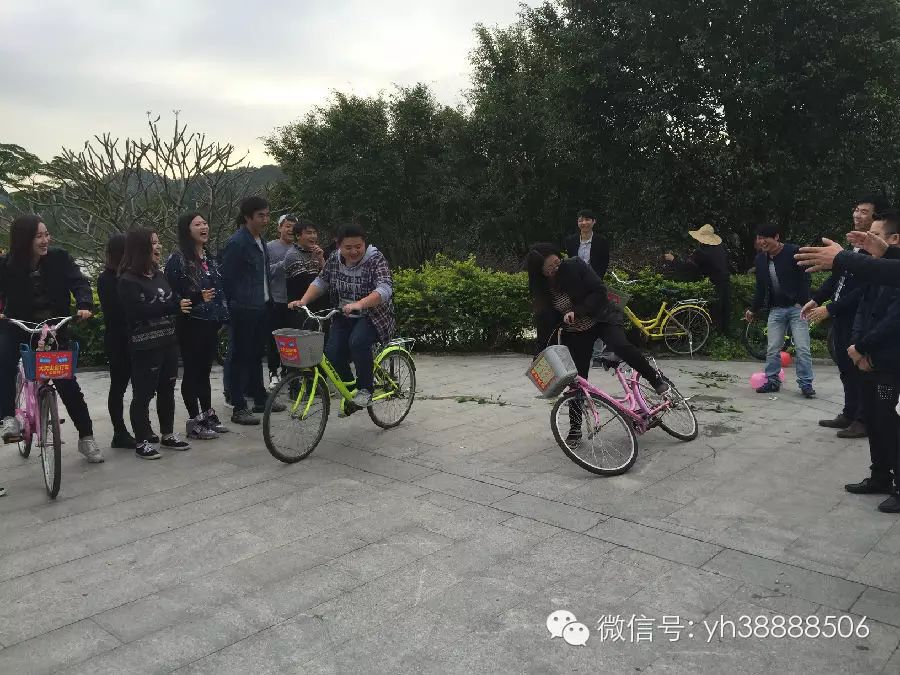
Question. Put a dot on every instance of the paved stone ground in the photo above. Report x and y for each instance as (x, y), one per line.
(442, 546)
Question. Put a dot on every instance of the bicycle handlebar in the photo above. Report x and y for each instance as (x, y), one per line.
(324, 315)
(35, 327)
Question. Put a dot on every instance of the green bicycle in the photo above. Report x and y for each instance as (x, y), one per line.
(293, 434)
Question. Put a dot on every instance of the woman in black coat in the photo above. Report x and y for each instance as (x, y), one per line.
(569, 293)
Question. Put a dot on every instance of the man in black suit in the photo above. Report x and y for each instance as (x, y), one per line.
(592, 249)
(588, 245)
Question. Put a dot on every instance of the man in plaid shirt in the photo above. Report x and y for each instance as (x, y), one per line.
(358, 279)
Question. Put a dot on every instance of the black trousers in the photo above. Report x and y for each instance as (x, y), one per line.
(879, 398)
(249, 332)
(279, 317)
(850, 375)
(722, 312)
(153, 373)
(197, 339)
(581, 346)
(69, 391)
(119, 358)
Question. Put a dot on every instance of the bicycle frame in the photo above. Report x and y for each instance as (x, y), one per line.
(632, 406)
(648, 325)
(29, 413)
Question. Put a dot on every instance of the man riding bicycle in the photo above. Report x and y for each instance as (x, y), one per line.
(358, 278)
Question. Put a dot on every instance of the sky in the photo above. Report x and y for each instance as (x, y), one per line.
(235, 70)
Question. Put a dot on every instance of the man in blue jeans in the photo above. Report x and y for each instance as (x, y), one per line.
(786, 286)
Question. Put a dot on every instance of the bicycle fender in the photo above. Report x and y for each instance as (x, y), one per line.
(390, 350)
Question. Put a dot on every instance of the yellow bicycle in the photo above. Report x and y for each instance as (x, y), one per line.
(684, 328)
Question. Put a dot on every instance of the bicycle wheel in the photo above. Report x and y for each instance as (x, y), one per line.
(50, 443)
(395, 374)
(678, 420)
(25, 443)
(293, 434)
(686, 330)
(593, 434)
(756, 339)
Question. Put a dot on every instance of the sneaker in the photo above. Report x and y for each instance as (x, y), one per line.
(153, 437)
(196, 429)
(145, 450)
(274, 381)
(870, 486)
(769, 388)
(244, 417)
(277, 407)
(891, 504)
(363, 398)
(574, 437)
(173, 442)
(663, 388)
(211, 420)
(839, 422)
(2, 491)
(808, 391)
(347, 408)
(87, 446)
(856, 430)
(122, 439)
(11, 430)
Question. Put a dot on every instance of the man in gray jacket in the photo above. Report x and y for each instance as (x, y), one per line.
(278, 249)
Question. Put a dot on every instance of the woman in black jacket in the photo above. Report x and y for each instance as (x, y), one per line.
(569, 293)
(150, 308)
(38, 283)
(115, 340)
(194, 274)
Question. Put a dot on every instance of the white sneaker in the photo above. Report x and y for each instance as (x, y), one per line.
(363, 398)
(87, 446)
(274, 381)
(10, 429)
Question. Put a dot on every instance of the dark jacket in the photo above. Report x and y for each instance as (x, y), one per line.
(242, 268)
(150, 308)
(792, 279)
(599, 252)
(64, 281)
(884, 271)
(707, 261)
(877, 326)
(188, 279)
(579, 282)
(115, 326)
(851, 292)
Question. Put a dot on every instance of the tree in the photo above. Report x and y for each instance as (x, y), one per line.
(111, 185)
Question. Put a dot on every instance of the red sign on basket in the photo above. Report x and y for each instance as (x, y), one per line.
(53, 365)
(287, 347)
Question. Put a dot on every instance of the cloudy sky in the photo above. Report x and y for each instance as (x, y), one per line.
(235, 69)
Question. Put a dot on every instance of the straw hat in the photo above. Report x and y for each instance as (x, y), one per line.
(706, 235)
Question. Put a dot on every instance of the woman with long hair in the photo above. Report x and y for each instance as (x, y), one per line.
(38, 282)
(194, 274)
(115, 340)
(150, 308)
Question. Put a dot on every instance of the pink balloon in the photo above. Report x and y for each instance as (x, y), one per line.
(757, 380)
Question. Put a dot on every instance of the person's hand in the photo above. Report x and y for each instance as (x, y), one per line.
(352, 307)
(185, 306)
(668, 257)
(818, 314)
(871, 243)
(818, 258)
(295, 304)
(208, 294)
(807, 308)
(569, 318)
(84, 314)
(854, 354)
(865, 365)
(748, 316)
(318, 254)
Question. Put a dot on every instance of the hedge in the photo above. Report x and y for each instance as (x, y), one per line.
(457, 306)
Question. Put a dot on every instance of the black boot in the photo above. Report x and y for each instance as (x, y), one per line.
(891, 504)
(122, 438)
(871, 486)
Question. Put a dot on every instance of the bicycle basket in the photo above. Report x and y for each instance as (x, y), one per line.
(552, 371)
(617, 297)
(299, 348)
(58, 364)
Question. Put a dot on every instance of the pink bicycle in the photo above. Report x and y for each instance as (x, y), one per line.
(36, 404)
(599, 431)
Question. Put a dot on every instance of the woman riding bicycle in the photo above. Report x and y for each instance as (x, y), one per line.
(358, 279)
(37, 283)
(569, 293)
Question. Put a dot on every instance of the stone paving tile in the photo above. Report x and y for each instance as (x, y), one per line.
(442, 545)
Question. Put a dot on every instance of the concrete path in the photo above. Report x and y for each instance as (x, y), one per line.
(442, 546)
